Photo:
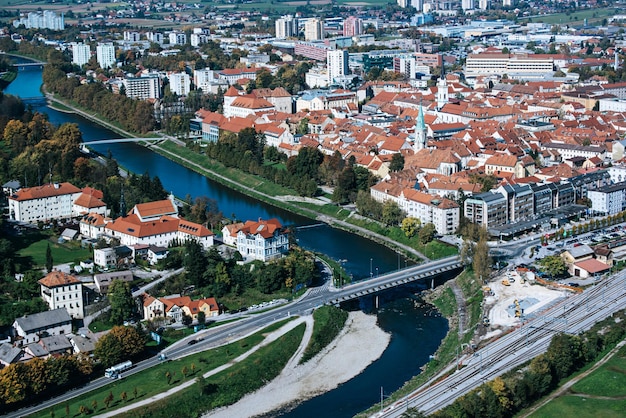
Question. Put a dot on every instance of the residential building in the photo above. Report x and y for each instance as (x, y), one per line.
(260, 240)
(352, 26)
(246, 105)
(568, 151)
(156, 254)
(542, 198)
(519, 201)
(486, 209)
(337, 62)
(608, 200)
(520, 66)
(143, 88)
(30, 328)
(286, 27)
(177, 38)
(313, 50)
(324, 99)
(180, 83)
(81, 53)
(62, 290)
(47, 19)
(208, 81)
(131, 36)
(314, 30)
(43, 203)
(115, 257)
(104, 280)
(176, 307)
(156, 37)
(279, 97)
(105, 54)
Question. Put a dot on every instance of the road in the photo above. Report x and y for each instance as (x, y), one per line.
(250, 323)
(573, 315)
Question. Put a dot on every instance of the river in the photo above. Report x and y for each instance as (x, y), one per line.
(416, 329)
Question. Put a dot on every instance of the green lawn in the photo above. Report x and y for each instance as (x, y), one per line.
(608, 381)
(31, 249)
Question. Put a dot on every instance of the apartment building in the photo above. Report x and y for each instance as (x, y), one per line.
(180, 83)
(521, 66)
(105, 54)
(486, 209)
(43, 203)
(286, 27)
(81, 53)
(143, 88)
(608, 200)
(337, 62)
(314, 30)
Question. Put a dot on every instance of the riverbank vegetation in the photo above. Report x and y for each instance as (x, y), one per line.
(329, 321)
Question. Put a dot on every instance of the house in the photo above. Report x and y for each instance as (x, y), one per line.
(262, 240)
(9, 354)
(589, 268)
(61, 290)
(576, 254)
(229, 233)
(104, 280)
(30, 328)
(156, 253)
(83, 343)
(152, 307)
(113, 257)
(56, 344)
(176, 307)
(208, 306)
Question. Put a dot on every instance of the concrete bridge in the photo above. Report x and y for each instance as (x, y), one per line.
(421, 272)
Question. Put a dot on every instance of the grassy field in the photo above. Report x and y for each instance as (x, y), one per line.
(593, 16)
(31, 249)
(601, 394)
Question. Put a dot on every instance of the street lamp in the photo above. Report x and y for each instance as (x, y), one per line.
(376, 271)
(371, 271)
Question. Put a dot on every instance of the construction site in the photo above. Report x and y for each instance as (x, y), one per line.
(516, 296)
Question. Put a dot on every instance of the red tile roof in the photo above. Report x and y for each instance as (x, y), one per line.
(47, 190)
(58, 278)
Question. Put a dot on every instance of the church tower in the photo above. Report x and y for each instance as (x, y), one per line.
(442, 87)
(420, 131)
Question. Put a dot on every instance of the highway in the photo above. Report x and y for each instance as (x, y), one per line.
(250, 323)
(573, 315)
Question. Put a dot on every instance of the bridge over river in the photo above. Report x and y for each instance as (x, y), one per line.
(421, 272)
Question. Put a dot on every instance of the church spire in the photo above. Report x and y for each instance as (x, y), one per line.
(122, 203)
(442, 87)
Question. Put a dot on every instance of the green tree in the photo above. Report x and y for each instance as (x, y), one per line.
(122, 302)
(427, 233)
(397, 163)
(554, 265)
(49, 262)
(187, 320)
(392, 214)
(108, 399)
(201, 318)
(119, 344)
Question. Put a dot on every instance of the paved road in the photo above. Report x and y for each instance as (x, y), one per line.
(572, 315)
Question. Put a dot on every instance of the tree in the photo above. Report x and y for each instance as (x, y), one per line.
(49, 262)
(427, 233)
(410, 226)
(392, 214)
(201, 318)
(187, 320)
(109, 398)
(397, 163)
(121, 300)
(554, 265)
(481, 262)
(121, 343)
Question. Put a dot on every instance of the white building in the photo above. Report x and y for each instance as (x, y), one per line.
(61, 290)
(105, 53)
(144, 87)
(608, 200)
(286, 27)
(467, 4)
(42, 20)
(131, 36)
(157, 223)
(337, 62)
(208, 81)
(519, 66)
(156, 37)
(258, 240)
(180, 83)
(43, 203)
(441, 212)
(177, 38)
(314, 30)
(81, 53)
(28, 329)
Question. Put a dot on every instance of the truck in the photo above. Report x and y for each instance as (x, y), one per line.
(113, 372)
